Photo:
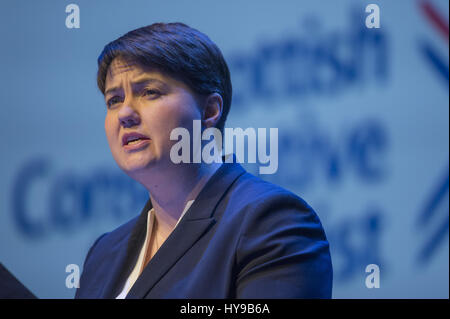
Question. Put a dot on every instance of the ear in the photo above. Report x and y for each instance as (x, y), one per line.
(212, 111)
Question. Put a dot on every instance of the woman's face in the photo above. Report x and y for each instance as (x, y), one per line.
(145, 105)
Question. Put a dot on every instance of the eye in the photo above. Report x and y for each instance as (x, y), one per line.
(114, 100)
(152, 92)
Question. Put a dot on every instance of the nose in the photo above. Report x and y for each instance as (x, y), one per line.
(128, 117)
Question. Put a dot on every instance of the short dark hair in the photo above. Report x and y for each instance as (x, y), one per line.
(177, 50)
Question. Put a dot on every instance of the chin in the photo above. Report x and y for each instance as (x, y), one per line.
(133, 168)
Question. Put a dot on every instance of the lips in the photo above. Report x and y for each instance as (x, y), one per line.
(133, 138)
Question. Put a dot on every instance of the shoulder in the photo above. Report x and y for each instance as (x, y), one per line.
(251, 193)
(281, 243)
(261, 207)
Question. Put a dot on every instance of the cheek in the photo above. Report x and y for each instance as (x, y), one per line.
(168, 117)
(182, 113)
(109, 129)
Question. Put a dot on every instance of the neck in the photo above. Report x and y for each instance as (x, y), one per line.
(170, 189)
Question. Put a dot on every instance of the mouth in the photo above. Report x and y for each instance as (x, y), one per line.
(134, 141)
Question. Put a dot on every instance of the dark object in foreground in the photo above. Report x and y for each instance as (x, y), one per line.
(11, 287)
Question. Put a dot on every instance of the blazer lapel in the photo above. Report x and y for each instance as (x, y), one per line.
(197, 220)
(126, 258)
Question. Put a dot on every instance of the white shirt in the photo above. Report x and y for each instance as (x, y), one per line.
(140, 262)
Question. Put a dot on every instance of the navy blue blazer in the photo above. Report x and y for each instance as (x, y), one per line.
(241, 238)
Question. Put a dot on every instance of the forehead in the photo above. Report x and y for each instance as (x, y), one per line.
(120, 67)
(122, 70)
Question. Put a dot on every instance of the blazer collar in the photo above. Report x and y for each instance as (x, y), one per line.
(196, 221)
(126, 258)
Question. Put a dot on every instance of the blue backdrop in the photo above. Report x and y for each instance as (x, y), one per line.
(362, 116)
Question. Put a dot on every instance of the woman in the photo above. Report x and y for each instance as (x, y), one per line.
(207, 230)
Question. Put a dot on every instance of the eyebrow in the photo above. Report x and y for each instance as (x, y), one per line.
(138, 82)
